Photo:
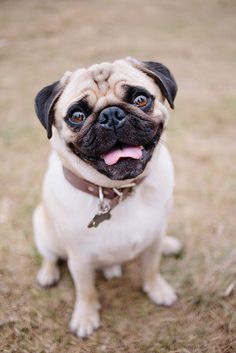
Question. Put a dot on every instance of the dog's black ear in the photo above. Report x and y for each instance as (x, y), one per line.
(163, 78)
(44, 105)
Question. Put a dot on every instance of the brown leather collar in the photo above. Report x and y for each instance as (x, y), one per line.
(93, 189)
(115, 195)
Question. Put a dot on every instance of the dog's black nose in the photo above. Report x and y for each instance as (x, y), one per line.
(111, 117)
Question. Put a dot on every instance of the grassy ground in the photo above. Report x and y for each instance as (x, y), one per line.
(196, 39)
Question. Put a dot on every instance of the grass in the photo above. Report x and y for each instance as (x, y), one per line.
(196, 39)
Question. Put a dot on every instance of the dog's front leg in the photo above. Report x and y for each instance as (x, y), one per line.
(85, 317)
(156, 287)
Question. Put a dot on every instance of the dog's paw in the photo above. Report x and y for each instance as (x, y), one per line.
(170, 246)
(48, 274)
(85, 320)
(160, 292)
(112, 272)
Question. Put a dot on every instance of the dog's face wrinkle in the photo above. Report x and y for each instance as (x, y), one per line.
(142, 124)
(90, 139)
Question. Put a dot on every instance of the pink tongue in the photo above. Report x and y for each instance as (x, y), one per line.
(112, 157)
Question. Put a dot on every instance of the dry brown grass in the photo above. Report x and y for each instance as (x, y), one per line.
(39, 41)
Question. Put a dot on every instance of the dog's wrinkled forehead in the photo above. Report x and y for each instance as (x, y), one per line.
(103, 84)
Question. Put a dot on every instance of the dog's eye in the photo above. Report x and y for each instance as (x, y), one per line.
(77, 117)
(140, 101)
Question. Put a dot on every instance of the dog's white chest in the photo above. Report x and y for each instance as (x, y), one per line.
(124, 236)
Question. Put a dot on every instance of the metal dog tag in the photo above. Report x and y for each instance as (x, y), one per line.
(103, 214)
(99, 218)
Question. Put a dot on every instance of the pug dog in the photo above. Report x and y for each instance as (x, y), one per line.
(108, 188)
